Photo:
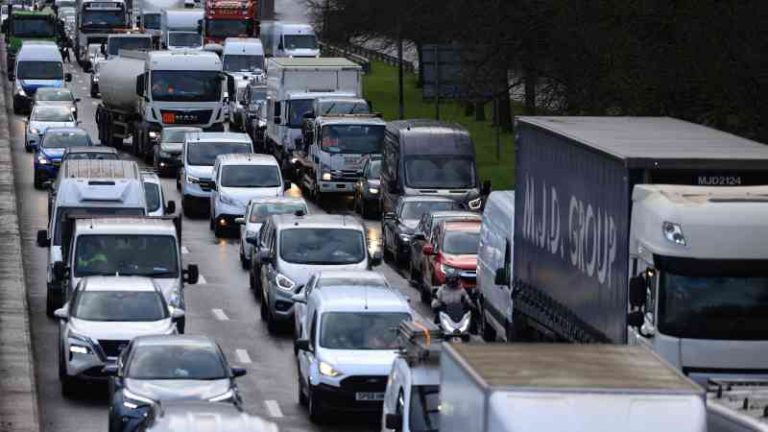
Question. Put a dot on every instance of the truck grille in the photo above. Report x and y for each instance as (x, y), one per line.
(112, 348)
(367, 383)
(186, 117)
(345, 175)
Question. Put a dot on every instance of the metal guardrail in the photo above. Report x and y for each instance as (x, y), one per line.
(363, 56)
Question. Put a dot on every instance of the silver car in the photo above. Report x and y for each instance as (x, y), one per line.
(258, 210)
(57, 96)
(103, 316)
(44, 116)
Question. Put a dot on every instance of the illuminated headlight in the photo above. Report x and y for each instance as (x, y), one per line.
(132, 400)
(73, 109)
(153, 134)
(446, 269)
(78, 349)
(475, 204)
(373, 190)
(405, 238)
(34, 131)
(326, 176)
(224, 397)
(284, 283)
(20, 91)
(328, 370)
(42, 160)
(674, 233)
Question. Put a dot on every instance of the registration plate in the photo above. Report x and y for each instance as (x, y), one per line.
(369, 396)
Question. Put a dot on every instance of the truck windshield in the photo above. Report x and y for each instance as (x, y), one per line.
(723, 302)
(227, 28)
(41, 27)
(185, 39)
(440, 172)
(204, 153)
(126, 255)
(128, 43)
(358, 139)
(191, 86)
(66, 212)
(243, 63)
(425, 408)
(250, 176)
(322, 246)
(343, 107)
(126, 306)
(292, 42)
(103, 18)
(360, 330)
(40, 70)
(296, 110)
(413, 210)
(152, 21)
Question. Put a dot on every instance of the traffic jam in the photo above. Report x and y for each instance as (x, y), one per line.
(391, 282)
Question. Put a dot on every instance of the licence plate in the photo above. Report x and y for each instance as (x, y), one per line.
(369, 396)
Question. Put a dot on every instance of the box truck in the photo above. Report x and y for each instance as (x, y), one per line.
(642, 230)
(559, 387)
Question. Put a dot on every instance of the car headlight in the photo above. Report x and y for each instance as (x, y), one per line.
(373, 190)
(326, 176)
(226, 199)
(132, 401)
(328, 370)
(175, 299)
(405, 238)
(284, 282)
(192, 179)
(475, 204)
(446, 269)
(20, 91)
(153, 134)
(42, 160)
(79, 349)
(73, 109)
(224, 397)
(34, 131)
(79, 344)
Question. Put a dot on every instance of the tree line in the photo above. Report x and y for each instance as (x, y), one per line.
(698, 60)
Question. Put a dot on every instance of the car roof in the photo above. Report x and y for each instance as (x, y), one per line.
(272, 200)
(74, 130)
(174, 340)
(118, 283)
(94, 168)
(246, 159)
(140, 225)
(218, 137)
(361, 299)
(60, 107)
(357, 278)
(418, 126)
(44, 90)
(150, 177)
(286, 221)
(459, 214)
(91, 149)
(363, 119)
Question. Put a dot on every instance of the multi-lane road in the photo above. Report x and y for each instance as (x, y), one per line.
(221, 306)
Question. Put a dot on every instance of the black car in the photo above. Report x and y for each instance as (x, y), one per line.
(156, 369)
(368, 188)
(398, 226)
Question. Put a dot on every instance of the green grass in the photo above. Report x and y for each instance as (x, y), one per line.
(380, 87)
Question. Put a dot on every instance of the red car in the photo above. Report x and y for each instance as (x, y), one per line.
(453, 250)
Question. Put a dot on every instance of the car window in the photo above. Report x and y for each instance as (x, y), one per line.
(461, 242)
(183, 362)
(361, 330)
(319, 246)
(415, 209)
(250, 176)
(152, 194)
(52, 113)
(127, 255)
(261, 211)
(119, 306)
(65, 140)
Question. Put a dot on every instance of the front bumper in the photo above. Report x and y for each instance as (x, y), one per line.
(48, 170)
(280, 303)
(196, 191)
(336, 187)
(168, 160)
(228, 211)
(87, 367)
(344, 397)
(226, 221)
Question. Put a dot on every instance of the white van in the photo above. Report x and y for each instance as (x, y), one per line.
(243, 59)
(38, 64)
(494, 259)
(282, 39)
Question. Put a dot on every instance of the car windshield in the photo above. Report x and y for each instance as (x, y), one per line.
(63, 213)
(176, 362)
(180, 86)
(52, 113)
(374, 173)
(461, 242)
(54, 95)
(331, 246)
(65, 140)
(414, 209)
(357, 139)
(119, 306)
(296, 110)
(343, 107)
(152, 21)
(243, 63)
(103, 18)
(260, 212)
(440, 172)
(721, 302)
(176, 135)
(39, 70)
(32, 28)
(227, 28)
(204, 153)
(425, 408)
(91, 155)
(292, 42)
(126, 255)
(185, 39)
(361, 330)
(152, 194)
(250, 176)
(128, 43)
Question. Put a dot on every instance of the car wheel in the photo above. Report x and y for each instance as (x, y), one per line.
(186, 207)
(487, 332)
(178, 183)
(52, 302)
(303, 400)
(272, 324)
(263, 312)
(316, 413)
(38, 181)
(384, 247)
(67, 384)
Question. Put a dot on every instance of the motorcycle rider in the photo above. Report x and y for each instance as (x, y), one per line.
(449, 293)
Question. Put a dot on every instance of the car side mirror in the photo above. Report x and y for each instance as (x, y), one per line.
(299, 298)
(393, 421)
(61, 314)
(177, 314)
(501, 277)
(302, 345)
(389, 216)
(110, 370)
(636, 319)
(265, 256)
(486, 188)
(42, 238)
(237, 372)
(252, 240)
(170, 207)
(637, 291)
(68, 77)
(59, 270)
(191, 274)
(77, 100)
(428, 250)
(240, 221)
(376, 259)
(287, 185)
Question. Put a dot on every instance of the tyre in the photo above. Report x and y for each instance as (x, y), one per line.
(303, 400)
(316, 412)
(38, 181)
(263, 312)
(52, 302)
(272, 324)
(487, 332)
(244, 262)
(178, 182)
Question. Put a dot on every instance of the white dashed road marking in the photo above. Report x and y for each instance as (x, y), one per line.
(201, 280)
(220, 315)
(242, 356)
(273, 408)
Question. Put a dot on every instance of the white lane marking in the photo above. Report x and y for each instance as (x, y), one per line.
(220, 315)
(184, 250)
(201, 280)
(242, 356)
(273, 408)
(83, 88)
(95, 102)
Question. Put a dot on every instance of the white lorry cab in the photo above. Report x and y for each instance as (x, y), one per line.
(243, 59)
(87, 188)
(38, 64)
(283, 39)
(179, 29)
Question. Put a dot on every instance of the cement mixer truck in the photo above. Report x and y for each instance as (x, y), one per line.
(142, 92)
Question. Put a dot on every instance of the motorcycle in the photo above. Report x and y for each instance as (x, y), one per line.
(455, 321)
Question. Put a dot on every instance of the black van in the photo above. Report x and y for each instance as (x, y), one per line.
(429, 157)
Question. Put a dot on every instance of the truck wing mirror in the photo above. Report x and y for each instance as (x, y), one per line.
(636, 319)
(393, 421)
(637, 291)
(170, 207)
(59, 270)
(501, 278)
(42, 238)
(191, 274)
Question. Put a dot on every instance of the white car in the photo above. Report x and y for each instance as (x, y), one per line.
(257, 212)
(153, 190)
(104, 314)
(238, 178)
(347, 347)
(44, 116)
